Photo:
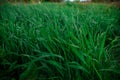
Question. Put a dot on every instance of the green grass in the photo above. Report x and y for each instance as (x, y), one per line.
(52, 41)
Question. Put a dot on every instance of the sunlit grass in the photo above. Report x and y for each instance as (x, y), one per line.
(59, 42)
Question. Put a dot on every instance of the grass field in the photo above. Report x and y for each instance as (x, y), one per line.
(54, 41)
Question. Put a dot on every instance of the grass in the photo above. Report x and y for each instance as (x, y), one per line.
(52, 41)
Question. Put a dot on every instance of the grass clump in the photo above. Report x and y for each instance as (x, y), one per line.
(52, 41)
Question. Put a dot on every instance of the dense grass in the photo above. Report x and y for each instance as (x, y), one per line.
(59, 42)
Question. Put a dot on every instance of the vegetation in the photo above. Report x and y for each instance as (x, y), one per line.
(37, 1)
(30, 1)
(105, 0)
(51, 41)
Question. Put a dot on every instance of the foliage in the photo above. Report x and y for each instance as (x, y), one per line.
(59, 42)
(31, 1)
(105, 0)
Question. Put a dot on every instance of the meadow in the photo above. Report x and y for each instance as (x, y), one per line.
(59, 41)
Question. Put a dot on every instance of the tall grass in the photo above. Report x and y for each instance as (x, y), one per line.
(59, 42)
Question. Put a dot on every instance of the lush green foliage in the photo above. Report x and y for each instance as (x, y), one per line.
(31, 1)
(54, 0)
(59, 42)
